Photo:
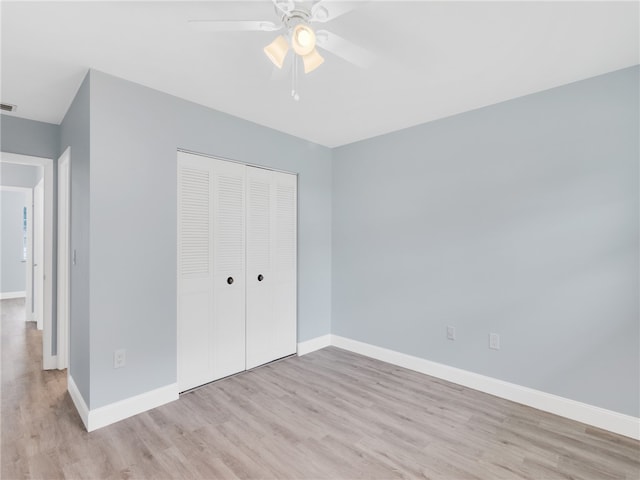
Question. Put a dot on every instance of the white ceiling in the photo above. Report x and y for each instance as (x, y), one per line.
(435, 59)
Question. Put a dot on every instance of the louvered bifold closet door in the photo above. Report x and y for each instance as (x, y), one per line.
(260, 277)
(237, 239)
(195, 270)
(271, 265)
(229, 268)
(285, 263)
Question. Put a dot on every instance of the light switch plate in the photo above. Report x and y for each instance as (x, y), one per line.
(451, 332)
(119, 358)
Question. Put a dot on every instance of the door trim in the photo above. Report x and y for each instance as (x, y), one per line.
(39, 255)
(63, 290)
(231, 160)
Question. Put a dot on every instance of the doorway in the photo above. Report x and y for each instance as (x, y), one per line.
(46, 263)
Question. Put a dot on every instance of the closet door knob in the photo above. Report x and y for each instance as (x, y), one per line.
(260, 278)
(230, 280)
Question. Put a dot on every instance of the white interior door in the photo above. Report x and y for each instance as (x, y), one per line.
(29, 290)
(260, 278)
(285, 264)
(195, 271)
(211, 269)
(229, 268)
(237, 235)
(271, 265)
(38, 254)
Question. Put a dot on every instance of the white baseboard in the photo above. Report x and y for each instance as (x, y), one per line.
(591, 415)
(8, 295)
(78, 401)
(114, 412)
(314, 344)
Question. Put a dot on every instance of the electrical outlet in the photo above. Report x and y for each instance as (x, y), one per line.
(119, 358)
(451, 332)
(494, 341)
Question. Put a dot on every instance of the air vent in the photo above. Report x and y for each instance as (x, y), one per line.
(7, 107)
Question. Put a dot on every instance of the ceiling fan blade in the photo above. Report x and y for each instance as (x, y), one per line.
(285, 6)
(344, 49)
(326, 10)
(234, 26)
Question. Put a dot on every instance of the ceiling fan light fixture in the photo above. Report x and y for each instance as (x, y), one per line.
(303, 39)
(277, 50)
(312, 61)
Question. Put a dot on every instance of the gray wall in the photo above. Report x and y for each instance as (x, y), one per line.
(13, 269)
(28, 137)
(135, 134)
(74, 133)
(519, 218)
(20, 175)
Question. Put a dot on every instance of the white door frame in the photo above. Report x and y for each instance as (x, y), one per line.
(29, 298)
(49, 361)
(64, 197)
(38, 254)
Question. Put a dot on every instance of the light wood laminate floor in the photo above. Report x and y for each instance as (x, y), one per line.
(329, 414)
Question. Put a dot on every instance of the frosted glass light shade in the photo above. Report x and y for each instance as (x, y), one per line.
(277, 50)
(303, 39)
(312, 61)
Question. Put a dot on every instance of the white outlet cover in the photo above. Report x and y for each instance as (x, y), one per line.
(494, 341)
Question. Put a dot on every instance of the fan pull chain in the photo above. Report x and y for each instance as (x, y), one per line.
(294, 80)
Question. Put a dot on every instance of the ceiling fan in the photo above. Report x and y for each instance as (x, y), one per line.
(297, 19)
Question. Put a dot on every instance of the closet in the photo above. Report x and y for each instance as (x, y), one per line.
(236, 285)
